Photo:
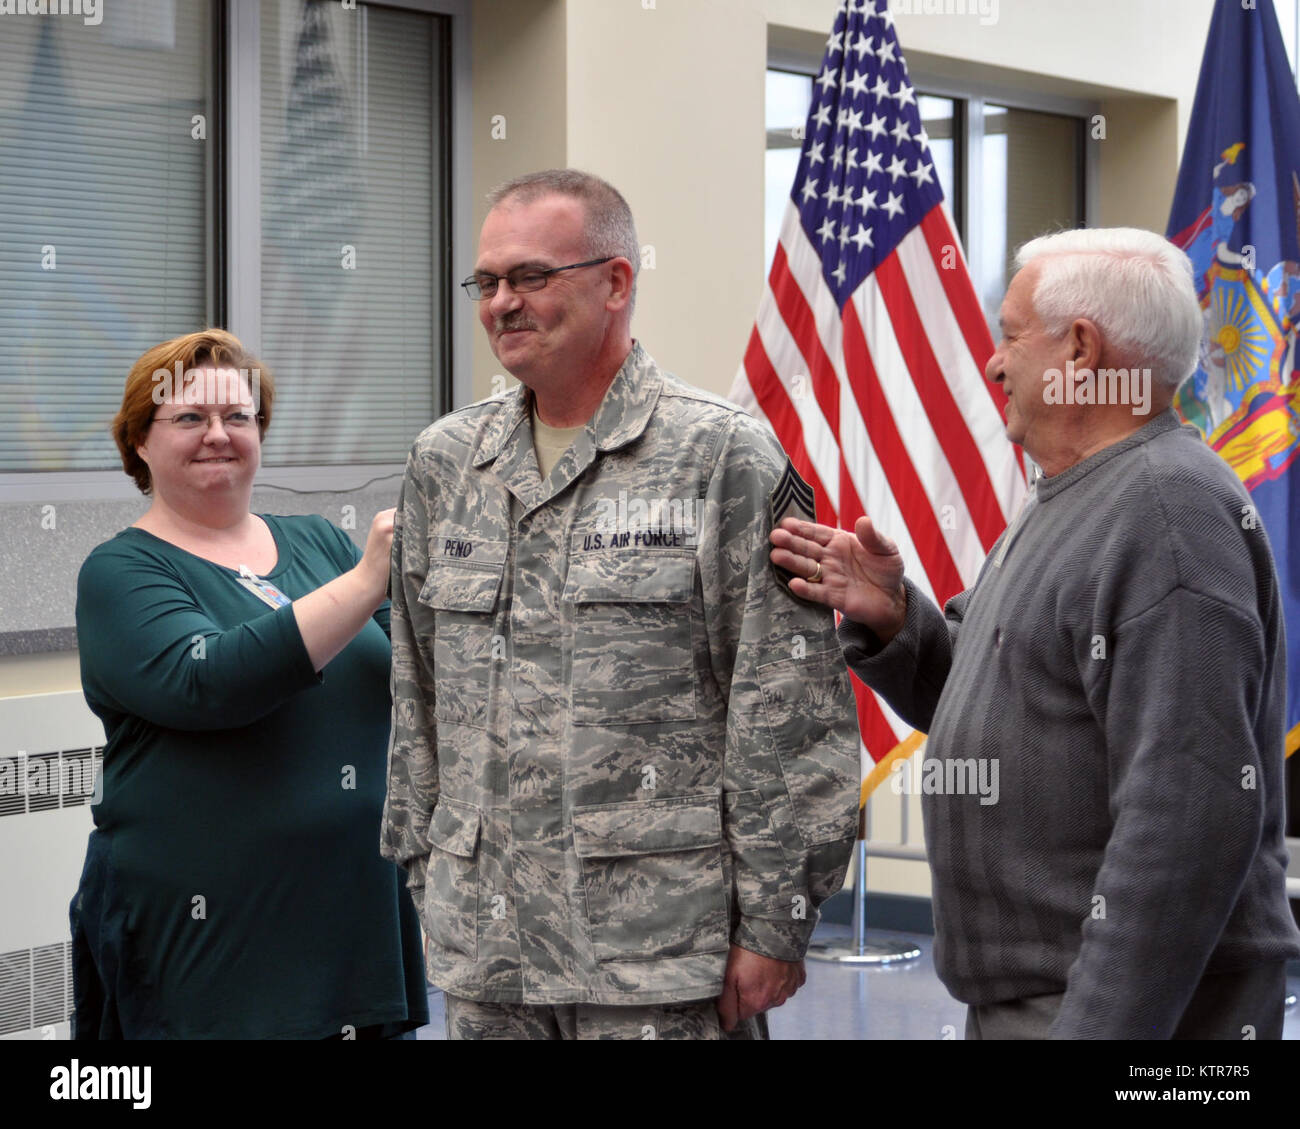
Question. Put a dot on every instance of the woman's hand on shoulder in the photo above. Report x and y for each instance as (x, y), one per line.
(375, 562)
(331, 616)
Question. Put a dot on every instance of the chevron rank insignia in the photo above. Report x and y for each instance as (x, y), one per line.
(793, 497)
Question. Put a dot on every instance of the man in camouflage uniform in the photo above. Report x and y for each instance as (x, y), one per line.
(624, 762)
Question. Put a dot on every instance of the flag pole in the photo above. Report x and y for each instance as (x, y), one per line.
(858, 950)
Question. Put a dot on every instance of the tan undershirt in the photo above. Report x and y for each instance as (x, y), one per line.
(551, 442)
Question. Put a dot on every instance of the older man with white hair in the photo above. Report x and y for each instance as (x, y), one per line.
(1119, 658)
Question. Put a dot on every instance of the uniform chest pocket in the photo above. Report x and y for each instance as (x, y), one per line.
(463, 588)
(632, 637)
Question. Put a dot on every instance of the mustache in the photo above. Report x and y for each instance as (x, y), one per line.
(512, 321)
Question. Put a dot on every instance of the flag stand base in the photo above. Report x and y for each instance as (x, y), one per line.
(869, 953)
(857, 950)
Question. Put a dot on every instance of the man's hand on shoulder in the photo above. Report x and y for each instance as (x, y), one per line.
(859, 574)
(754, 984)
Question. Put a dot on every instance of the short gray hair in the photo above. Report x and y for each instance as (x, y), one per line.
(1134, 285)
(610, 229)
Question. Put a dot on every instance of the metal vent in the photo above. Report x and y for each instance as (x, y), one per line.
(15, 991)
(35, 782)
(50, 984)
(35, 987)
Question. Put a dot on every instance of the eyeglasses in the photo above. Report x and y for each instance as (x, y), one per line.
(192, 421)
(522, 279)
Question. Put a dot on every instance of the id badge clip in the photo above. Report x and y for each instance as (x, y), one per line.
(264, 590)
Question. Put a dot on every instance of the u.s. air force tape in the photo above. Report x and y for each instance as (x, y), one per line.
(792, 497)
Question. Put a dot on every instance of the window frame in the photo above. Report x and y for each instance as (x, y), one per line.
(972, 98)
(234, 191)
(969, 99)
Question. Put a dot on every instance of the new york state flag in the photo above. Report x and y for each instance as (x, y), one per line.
(1236, 213)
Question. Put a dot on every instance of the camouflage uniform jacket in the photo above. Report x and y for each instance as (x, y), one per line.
(618, 744)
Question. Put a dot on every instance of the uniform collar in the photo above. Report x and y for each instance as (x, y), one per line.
(514, 411)
(622, 416)
(630, 402)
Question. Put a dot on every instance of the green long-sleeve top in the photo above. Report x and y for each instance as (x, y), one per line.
(237, 888)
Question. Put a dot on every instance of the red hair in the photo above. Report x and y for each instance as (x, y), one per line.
(209, 348)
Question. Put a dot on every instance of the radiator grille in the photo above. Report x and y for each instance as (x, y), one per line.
(37, 782)
(35, 987)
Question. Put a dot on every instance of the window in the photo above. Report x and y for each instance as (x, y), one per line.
(789, 97)
(1032, 179)
(942, 124)
(280, 167)
(1288, 19)
(106, 227)
(1008, 172)
(353, 256)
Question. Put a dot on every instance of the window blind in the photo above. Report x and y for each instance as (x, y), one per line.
(104, 234)
(354, 265)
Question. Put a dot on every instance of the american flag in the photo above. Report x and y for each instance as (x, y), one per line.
(868, 353)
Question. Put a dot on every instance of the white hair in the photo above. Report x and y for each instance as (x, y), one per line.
(1134, 285)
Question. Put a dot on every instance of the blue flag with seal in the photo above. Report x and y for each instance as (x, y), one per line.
(1236, 213)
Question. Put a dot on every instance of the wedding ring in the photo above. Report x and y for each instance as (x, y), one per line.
(816, 577)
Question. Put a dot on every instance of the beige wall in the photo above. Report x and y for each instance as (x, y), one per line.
(39, 674)
(518, 74)
(674, 117)
(1139, 160)
(1150, 47)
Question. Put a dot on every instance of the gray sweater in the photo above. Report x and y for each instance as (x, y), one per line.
(1124, 665)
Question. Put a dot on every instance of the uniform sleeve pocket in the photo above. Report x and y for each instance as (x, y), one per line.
(451, 883)
(653, 876)
(804, 700)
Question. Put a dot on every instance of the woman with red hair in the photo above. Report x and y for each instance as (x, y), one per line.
(233, 887)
